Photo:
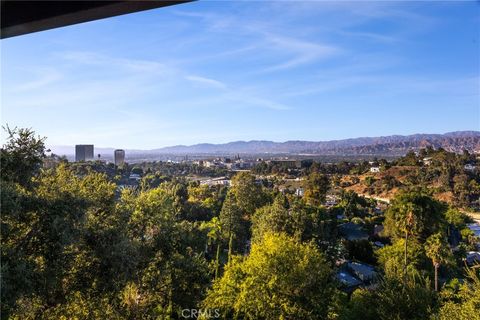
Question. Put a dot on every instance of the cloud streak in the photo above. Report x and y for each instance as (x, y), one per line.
(305, 52)
(206, 81)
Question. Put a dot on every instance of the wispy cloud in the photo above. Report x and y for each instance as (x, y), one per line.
(390, 85)
(96, 59)
(140, 79)
(236, 95)
(261, 102)
(44, 78)
(371, 36)
(304, 52)
(206, 81)
(293, 50)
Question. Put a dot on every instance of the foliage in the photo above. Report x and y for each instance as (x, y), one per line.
(464, 303)
(273, 218)
(391, 259)
(280, 279)
(295, 218)
(316, 187)
(426, 215)
(352, 204)
(392, 300)
(233, 223)
(361, 250)
(69, 246)
(21, 157)
(457, 218)
(437, 249)
(248, 194)
(76, 245)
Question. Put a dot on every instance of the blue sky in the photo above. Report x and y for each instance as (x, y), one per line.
(216, 71)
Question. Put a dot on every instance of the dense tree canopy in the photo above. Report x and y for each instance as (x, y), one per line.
(316, 187)
(426, 215)
(21, 157)
(79, 242)
(280, 279)
(248, 193)
(463, 301)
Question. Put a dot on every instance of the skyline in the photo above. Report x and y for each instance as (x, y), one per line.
(222, 73)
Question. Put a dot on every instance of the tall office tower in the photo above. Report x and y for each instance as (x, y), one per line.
(119, 156)
(83, 152)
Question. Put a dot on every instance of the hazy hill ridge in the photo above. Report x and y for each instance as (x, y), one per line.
(452, 141)
(388, 145)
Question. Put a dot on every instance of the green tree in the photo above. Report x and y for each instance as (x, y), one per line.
(233, 224)
(413, 214)
(295, 218)
(415, 300)
(214, 236)
(22, 155)
(437, 249)
(464, 304)
(410, 159)
(273, 218)
(392, 260)
(60, 237)
(457, 218)
(77, 305)
(360, 250)
(248, 194)
(280, 279)
(391, 300)
(352, 204)
(171, 272)
(416, 212)
(316, 187)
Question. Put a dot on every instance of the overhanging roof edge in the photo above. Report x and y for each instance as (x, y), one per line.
(15, 21)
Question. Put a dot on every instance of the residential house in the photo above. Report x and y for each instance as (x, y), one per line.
(299, 192)
(427, 161)
(362, 271)
(469, 167)
(347, 281)
(135, 176)
(223, 181)
(473, 258)
(375, 169)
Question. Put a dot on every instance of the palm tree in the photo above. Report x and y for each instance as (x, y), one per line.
(438, 251)
(215, 235)
(407, 225)
(231, 221)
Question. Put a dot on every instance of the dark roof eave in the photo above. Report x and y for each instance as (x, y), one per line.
(20, 17)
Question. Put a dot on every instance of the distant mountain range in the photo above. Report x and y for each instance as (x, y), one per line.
(389, 145)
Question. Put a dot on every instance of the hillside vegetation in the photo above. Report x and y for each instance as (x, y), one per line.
(77, 244)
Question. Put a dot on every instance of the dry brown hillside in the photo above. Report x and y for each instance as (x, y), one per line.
(387, 183)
